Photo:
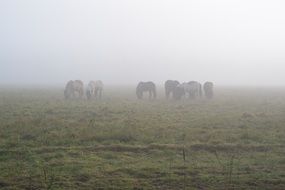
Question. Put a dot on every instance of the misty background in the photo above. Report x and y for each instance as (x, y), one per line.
(238, 42)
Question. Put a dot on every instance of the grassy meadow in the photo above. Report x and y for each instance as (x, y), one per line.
(235, 141)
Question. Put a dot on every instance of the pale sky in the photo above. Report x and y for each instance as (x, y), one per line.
(229, 42)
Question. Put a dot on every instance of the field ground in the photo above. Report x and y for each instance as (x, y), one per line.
(236, 141)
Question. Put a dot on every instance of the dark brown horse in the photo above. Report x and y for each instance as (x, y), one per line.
(146, 87)
(170, 86)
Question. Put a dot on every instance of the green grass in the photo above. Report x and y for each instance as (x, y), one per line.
(235, 141)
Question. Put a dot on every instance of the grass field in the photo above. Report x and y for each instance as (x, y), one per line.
(235, 141)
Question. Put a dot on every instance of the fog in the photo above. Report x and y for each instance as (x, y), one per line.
(238, 42)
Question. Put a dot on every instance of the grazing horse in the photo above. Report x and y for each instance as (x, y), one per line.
(209, 89)
(94, 89)
(170, 86)
(90, 90)
(69, 91)
(193, 89)
(146, 87)
(99, 89)
(72, 87)
(78, 87)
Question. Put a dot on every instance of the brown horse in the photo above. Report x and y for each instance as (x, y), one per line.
(170, 87)
(146, 87)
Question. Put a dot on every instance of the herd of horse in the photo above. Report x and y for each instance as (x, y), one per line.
(176, 90)
(75, 89)
(173, 89)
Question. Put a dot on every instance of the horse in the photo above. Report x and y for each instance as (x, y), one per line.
(209, 89)
(193, 89)
(90, 91)
(72, 87)
(99, 86)
(170, 86)
(94, 89)
(78, 87)
(146, 86)
(69, 91)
